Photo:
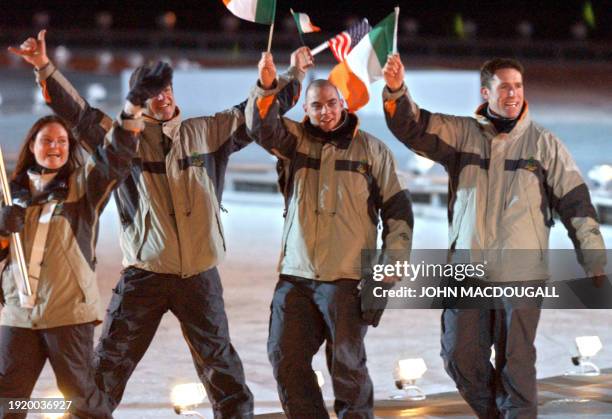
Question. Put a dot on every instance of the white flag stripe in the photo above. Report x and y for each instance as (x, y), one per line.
(243, 9)
(364, 63)
(305, 22)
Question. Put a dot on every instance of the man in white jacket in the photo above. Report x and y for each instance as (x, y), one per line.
(506, 177)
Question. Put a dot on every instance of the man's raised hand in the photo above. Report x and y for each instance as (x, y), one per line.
(393, 72)
(33, 51)
(267, 70)
(302, 59)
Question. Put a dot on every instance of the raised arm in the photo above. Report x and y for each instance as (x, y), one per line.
(230, 124)
(432, 135)
(263, 120)
(88, 124)
(110, 162)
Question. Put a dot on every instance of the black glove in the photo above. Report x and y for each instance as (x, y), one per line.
(12, 218)
(148, 82)
(372, 317)
(372, 307)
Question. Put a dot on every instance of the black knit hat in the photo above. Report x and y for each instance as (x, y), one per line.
(146, 68)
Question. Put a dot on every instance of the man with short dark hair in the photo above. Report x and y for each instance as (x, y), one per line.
(506, 177)
(338, 181)
(171, 234)
(490, 67)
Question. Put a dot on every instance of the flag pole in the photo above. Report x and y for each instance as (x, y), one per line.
(395, 30)
(320, 48)
(15, 237)
(270, 36)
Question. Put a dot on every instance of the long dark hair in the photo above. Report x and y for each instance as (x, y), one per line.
(26, 158)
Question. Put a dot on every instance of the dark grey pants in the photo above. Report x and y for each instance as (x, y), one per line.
(138, 303)
(304, 314)
(508, 390)
(69, 349)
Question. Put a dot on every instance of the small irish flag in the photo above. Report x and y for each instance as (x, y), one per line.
(363, 65)
(258, 11)
(303, 23)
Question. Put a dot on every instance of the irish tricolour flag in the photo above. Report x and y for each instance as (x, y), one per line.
(363, 65)
(303, 22)
(258, 11)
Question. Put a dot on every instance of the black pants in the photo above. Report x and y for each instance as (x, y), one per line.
(304, 314)
(138, 303)
(508, 390)
(23, 353)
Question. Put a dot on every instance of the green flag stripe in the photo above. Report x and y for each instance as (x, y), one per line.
(265, 11)
(296, 17)
(381, 38)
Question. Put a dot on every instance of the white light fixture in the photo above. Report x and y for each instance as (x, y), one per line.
(135, 59)
(407, 372)
(62, 56)
(186, 397)
(588, 347)
(105, 59)
(601, 175)
(55, 415)
(320, 378)
(96, 93)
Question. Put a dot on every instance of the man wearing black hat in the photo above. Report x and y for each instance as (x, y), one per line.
(171, 234)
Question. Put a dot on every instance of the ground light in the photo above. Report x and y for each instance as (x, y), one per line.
(186, 397)
(48, 415)
(588, 347)
(406, 373)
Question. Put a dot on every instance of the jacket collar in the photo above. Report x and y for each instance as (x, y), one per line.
(340, 137)
(170, 127)
(55, 190)
(524, 120)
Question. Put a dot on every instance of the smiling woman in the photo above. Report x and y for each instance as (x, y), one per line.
(48, 145)
(57, 201)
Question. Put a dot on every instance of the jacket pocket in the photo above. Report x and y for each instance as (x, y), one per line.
(461, 204)
(288, 225)
(531, 189)
(220, 228)
(144, 233)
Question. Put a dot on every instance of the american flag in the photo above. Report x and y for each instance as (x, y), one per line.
(342, 43)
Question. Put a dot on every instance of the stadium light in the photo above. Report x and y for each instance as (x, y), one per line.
(524, 29)
(601, 175)
(135, 59)
(105, 59)
(55, 394)
(186, 397)
(62, 55)
(96, 92)
(407, 372)
(104, 20)
(167, 21)
(410, 26)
